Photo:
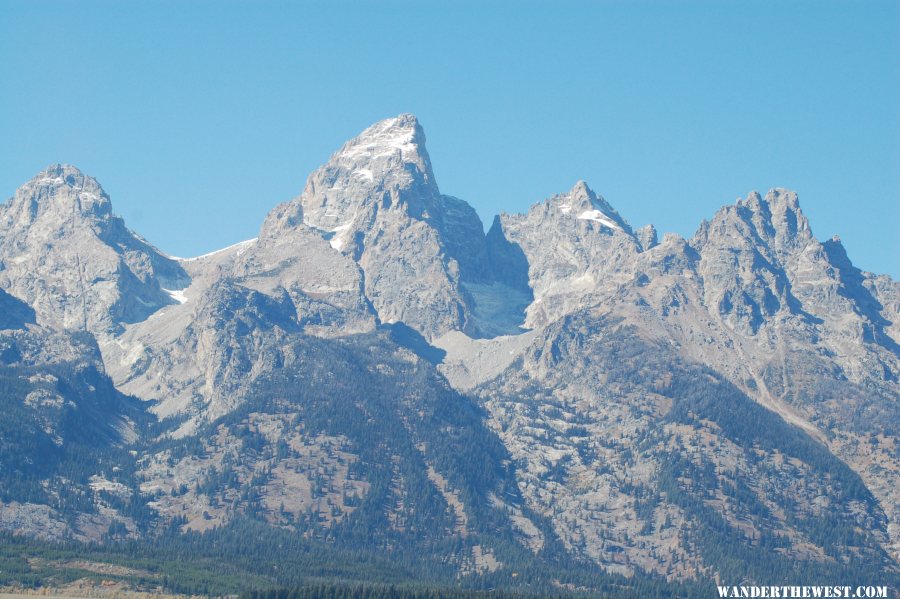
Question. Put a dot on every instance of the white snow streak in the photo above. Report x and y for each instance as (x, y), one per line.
(599, 217)
(383, 139)
(177, 295)
(338, 242)
(365, 173)
(240, 246)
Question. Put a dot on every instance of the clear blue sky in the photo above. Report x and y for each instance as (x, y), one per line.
(198, 117)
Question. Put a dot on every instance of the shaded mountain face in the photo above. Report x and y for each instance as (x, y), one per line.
(569, 245)
(64, 465)
(352, 440)
(561, 395)
(422, 254)
(14, 314)
(645, 460)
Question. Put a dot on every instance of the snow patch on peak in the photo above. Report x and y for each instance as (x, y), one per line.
(598, 216)
(587, 205)
(63, 174)
(384, 139)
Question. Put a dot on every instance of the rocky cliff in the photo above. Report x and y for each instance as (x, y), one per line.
(375, 371)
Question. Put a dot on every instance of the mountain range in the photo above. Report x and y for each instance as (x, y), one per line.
(562, 401)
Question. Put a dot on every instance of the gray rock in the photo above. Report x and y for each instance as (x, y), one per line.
(376, 200)
(744, 366)
(647, 237)
(64, 253)
(572, 244)
(69, 428)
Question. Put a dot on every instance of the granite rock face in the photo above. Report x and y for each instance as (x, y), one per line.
(614, 430)
(63, 252)
(326, 287)
(570, 244)
(753, 295)
(65, 436)
(376, 201)
(636, 396)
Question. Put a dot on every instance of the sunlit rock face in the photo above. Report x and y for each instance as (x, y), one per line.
(563, 385)
(65, 253)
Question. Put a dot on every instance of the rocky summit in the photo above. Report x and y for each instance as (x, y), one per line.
(374, 382)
